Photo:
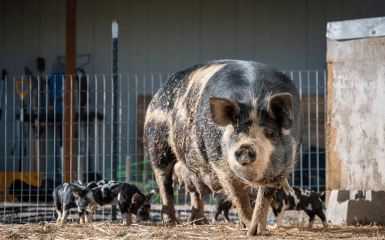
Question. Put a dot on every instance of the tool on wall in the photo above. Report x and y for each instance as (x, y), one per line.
(39, 109)
(39, 129)
(22, 94)
(3, 75)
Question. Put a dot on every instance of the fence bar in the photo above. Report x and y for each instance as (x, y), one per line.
(128, 169)
(69, 101)
(115, 138)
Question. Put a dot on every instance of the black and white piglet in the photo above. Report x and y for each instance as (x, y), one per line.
(126, 196)
(70, 195)
(222, 204)
(299, 199)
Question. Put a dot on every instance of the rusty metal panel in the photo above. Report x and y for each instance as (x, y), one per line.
(360, 28)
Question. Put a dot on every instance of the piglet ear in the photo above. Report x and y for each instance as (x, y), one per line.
(96, 190)
(149, 196)
(223, 110)
(77, 191)
(280, 108)
(137, 198)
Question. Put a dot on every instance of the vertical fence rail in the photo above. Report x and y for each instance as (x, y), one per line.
(32, 162)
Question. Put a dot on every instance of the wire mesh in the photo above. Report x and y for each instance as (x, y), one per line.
(32, 152)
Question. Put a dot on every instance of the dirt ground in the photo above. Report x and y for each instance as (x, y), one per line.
(115, 230)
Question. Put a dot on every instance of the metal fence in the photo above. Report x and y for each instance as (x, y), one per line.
(32, 155)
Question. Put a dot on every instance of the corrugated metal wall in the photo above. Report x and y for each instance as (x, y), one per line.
(168, 35)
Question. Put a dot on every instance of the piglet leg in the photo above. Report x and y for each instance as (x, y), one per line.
(65, 216)
(59, 217)
(82, 215)
(89, 217)
(127, 218)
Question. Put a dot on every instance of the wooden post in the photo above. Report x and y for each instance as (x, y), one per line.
(128, 169)
(69, 97)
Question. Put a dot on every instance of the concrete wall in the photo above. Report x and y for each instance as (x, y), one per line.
(355, 114)
(168, 35)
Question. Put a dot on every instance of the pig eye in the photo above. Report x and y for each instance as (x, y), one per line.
(270, 134)
(243, 127)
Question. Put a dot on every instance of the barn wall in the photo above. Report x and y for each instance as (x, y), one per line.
(165, 36)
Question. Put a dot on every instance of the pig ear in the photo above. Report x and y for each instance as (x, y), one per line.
(77, 191)
(223, 110)
(280, 108)
(149, 196)
(96, 190)
(136, 198)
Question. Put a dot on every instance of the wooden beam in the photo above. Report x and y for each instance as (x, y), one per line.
(69, 96)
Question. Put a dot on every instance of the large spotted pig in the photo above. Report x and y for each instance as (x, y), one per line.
(229, 124)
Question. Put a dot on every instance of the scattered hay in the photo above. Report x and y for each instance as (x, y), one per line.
(115, 230)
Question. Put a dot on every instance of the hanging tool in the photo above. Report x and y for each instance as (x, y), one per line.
(2, 88)
(22, 94)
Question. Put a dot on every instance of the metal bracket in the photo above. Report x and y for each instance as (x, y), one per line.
(353, 29)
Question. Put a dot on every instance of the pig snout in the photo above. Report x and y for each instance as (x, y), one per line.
(245, 155)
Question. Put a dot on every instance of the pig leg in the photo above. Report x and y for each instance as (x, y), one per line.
(127, 218)
(215, 219)
(262, 204)
(197, 210)
(59, 216)
(89, 217)
(226, 214)
(239, 195)
(164, 180)
(65, 214)
(279, 215)
(321, 215)
(311, 219)
(82, 215)
(126, 214)
(162, 161)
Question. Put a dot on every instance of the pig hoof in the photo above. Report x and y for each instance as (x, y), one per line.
(325, 225)
(251, 232)
(198, 220)
(169, 222)
(276, 226)
(256, 231)
(272, 227)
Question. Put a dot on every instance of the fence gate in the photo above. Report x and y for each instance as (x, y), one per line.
(32, 153)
